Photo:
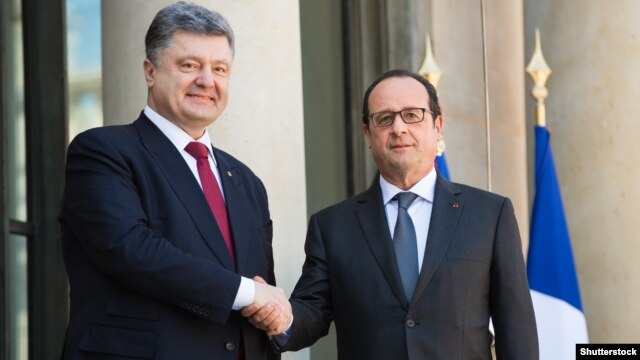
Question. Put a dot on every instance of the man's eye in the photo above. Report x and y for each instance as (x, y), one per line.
(188, 66)
(387, 118)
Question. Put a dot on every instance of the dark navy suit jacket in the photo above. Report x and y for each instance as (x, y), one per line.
(150, 276)
(473, 269)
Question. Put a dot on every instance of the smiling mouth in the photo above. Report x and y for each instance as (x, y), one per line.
(201, 97)
(401, 146)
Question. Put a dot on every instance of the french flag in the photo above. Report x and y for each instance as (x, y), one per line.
(550, 266)
(441, 165)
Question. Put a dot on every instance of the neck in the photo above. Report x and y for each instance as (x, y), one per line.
(404, 181)
(194, 133)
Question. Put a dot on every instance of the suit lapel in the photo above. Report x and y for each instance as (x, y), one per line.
(373, 222)
(181, 180)
(446, 211)
(237, 211)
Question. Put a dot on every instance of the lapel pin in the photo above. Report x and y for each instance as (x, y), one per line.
(455, 205)
(229, 173)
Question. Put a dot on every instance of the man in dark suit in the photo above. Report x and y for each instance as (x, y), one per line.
(414, 267)
(162, 233)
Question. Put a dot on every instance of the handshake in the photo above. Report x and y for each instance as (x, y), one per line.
(270, 310)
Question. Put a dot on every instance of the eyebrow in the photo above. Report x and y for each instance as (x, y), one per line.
(198, 59)
(187, 57)
(426, 108)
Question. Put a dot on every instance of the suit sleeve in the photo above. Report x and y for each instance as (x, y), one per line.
(102, 211)
(510, 299)
(311, 298)
(268, 234)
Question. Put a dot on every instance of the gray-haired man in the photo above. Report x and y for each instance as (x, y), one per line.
(163, 233)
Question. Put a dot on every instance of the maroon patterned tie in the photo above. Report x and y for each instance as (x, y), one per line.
(212, 192)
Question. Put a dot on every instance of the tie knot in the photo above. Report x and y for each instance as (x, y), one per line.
(197, 150)
(405, 199)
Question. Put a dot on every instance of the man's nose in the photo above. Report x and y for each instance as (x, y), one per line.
(205, 78)
(398, 126)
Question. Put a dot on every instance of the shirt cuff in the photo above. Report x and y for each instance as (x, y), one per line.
(281, 340)
(246, 292)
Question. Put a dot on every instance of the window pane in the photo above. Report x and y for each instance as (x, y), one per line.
(14, 88)
(84, 59)
(18, 298)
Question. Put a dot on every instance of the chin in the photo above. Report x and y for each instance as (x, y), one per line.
(201, 116)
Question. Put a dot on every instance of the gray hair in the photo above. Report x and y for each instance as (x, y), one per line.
(187, 17)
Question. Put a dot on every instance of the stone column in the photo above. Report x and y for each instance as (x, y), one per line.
(263, 123)
(457, 42)
(592, 114)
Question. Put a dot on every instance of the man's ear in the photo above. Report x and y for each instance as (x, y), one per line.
(149, 72)
(367, 134)
(437, 124)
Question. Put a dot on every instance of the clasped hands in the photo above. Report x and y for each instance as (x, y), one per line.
(270, 310)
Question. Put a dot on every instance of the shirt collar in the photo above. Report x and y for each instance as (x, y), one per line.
(424, 188)
(178, 137)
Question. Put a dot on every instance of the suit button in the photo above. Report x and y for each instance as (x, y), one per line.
(230, 346)
(410, 323)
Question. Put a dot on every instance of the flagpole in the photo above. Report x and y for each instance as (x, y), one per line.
(429, 68)
(539, 72)
(486, 95)
(431, 71)
(551, 271)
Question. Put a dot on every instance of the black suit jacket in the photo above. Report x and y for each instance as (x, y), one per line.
(150, 276)
(473, 269)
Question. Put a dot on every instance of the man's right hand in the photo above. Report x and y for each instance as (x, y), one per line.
(270, 310)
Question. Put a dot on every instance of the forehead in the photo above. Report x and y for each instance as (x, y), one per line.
(190, 44)
(396, 93)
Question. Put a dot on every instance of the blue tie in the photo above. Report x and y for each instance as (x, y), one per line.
(404, 242)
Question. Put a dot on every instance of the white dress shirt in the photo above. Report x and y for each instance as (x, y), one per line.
(419, 210)
(180, 140)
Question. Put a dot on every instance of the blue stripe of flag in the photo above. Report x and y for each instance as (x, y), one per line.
(441, 166)
(550, 264)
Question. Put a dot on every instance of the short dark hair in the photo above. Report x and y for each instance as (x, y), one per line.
(187, 17)
(434, 106)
